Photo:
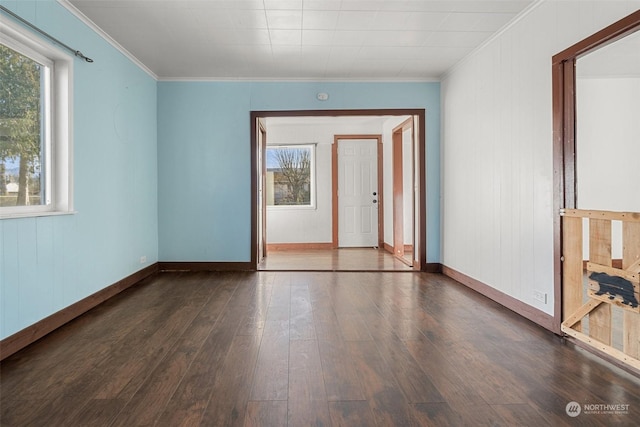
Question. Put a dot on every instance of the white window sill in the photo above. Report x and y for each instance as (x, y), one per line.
(35, 214)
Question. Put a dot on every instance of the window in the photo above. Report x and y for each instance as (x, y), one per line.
(35, 146)
(290, 179)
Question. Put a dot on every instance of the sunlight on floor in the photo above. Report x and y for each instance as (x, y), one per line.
(345, 259)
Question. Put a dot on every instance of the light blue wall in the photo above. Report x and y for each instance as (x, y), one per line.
(204, 156)
(48, 263)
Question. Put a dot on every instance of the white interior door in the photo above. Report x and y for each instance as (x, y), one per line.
(357, 193)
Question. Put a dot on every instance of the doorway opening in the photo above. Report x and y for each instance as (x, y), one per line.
(315, 226)
(404, 192)
(597, 228)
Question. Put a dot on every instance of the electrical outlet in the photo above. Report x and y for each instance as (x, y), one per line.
(540, 296)
(143, 259)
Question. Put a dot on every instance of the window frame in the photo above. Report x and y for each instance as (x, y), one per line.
(57, 158)
(312, 176)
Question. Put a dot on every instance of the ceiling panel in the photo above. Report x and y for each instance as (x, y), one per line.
(286, 37)
(302, 39)
(317, 37)
(456, 39)
(395, 38)
(356, 20)
(284, 19)
(320, 19)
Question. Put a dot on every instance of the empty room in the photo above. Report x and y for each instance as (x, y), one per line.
(319, 212)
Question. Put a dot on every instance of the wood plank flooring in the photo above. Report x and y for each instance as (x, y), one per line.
(343, 259)
(306, 349)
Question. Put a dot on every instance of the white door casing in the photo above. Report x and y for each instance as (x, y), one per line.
(357, 193)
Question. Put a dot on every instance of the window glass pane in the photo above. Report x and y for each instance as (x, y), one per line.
(21, 129)
(289, 176)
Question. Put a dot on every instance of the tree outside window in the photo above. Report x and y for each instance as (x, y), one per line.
(289, 175)
(21, 81)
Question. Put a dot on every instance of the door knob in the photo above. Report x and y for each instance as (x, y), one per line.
(375, 201)
(375, 194)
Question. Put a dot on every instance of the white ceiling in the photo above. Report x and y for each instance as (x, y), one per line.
(300, 39)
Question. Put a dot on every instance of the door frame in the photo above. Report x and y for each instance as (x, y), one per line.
(334, 186)
(422, 183)
(397, 150)
(262, 142)
(564, 136)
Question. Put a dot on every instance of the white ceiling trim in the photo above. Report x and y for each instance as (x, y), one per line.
(296, 79)
(494, 36)
(82, 17)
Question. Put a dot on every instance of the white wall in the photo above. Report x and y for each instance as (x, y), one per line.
(295, 225)
(608, 147)
(497, 174)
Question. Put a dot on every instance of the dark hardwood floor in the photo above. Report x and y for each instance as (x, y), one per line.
(318, 349)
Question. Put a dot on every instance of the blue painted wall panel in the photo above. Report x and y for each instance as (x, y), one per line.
(204, 159)
(49, 263)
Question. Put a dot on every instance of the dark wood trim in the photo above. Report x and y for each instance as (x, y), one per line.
(380, 193)
(607, 35)
(569, 133)
(298, 246)
(334, 193)
(334, 185)
(564, 132)
(558, 189)
(432, 267)
(254, 147)
(338, 113)
(205, 266)
(263, 180)
(387, 247)
(422, 203)
(524, 310)
(421, 130)
(31, 334)
(336, 270)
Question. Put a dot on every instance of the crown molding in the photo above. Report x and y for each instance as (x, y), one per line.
(88, 22)
(296, 80)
